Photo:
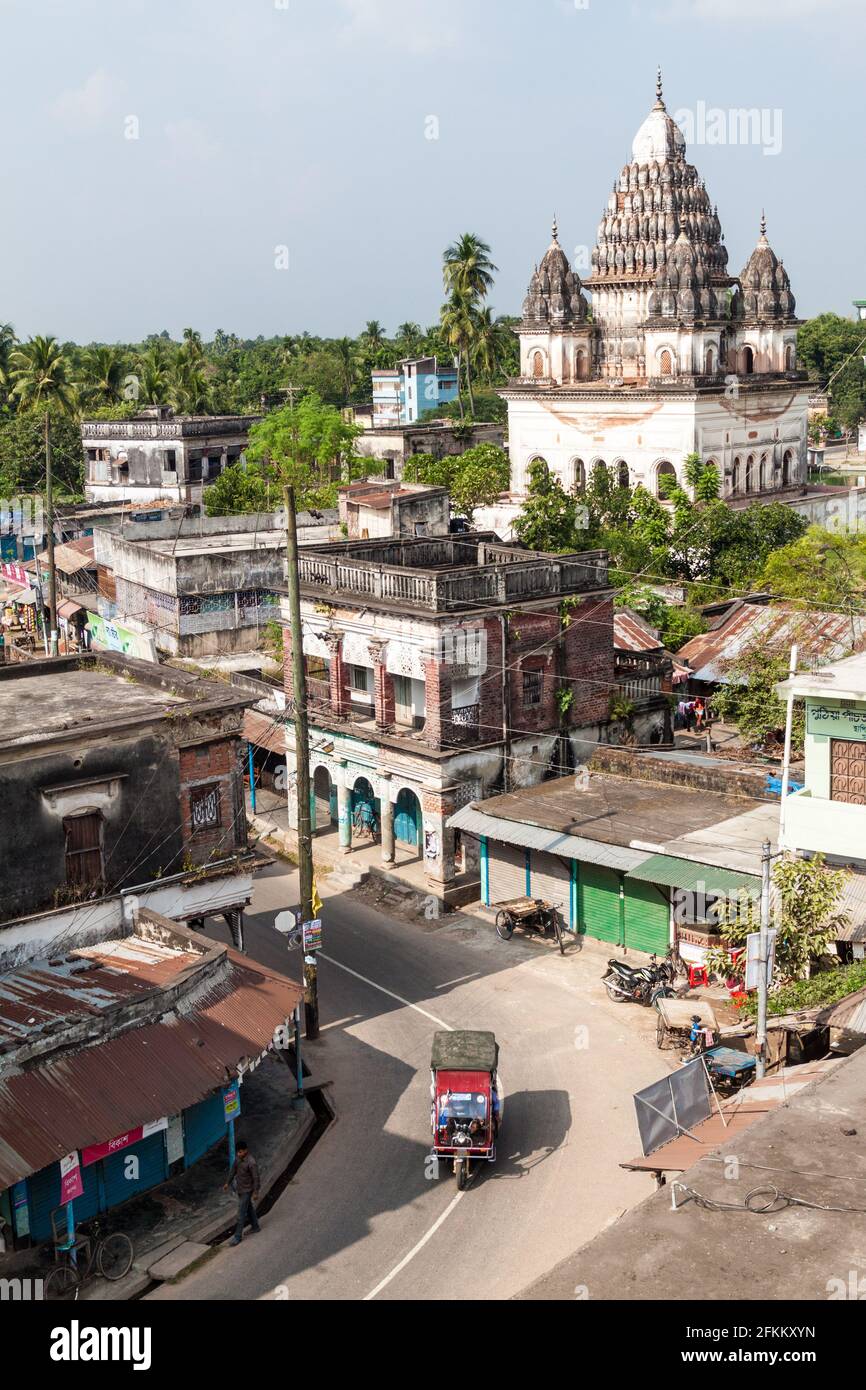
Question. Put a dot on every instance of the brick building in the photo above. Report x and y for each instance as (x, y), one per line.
(118, 777)
(440, 670)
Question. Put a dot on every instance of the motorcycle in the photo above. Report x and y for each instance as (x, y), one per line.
(638, 984)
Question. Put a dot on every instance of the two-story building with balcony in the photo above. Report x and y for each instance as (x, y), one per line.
(828, 814)
(442, 669)
(160, 454)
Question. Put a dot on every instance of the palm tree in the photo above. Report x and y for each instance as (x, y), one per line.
(39, 372)
(490, 343)
(191, 346)
(7, 343)
(458, 330)
(409, 336)
(105, 371)
(154, 367)
(188, 386)
(345, 353)
(40, 375)
(374, 334)
(467, 267)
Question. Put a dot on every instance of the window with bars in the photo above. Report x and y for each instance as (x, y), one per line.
(204, 805)
(532, 687)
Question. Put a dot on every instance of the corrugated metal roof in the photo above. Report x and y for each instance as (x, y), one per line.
(849, 1013)
(853, 901)
(72, 556)
(693, 877)
(538, 837)
(632, 634)
(83, 1097)
(827, 636)
(265, 730)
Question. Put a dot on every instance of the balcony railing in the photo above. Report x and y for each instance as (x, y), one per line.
(510, 578)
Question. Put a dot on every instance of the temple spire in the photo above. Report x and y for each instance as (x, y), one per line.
(555, 228)
(659, 99)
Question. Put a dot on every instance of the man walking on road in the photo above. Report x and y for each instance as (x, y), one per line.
(245, 1176)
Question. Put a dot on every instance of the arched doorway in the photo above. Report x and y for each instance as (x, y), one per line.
(710, 362)
(666, 365)
(787, 461)
(324, 799)
(581, 366)
(578, 475)
(407, 818)
(736, 476)
(790, 358)
(747, 361)
(621, 473)
(364, 800)
(764, 479)
(750, 473)
(538, 364)
(664, 470)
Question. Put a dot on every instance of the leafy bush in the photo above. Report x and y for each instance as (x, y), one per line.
(826, 988)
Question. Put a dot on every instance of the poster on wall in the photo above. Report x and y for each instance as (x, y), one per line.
(431, 844)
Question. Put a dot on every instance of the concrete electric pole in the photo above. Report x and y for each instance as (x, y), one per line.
(49, 524)
(302, 762)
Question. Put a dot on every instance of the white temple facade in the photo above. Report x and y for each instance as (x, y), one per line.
(660, 352)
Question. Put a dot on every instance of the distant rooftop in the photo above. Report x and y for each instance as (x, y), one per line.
(68, 696)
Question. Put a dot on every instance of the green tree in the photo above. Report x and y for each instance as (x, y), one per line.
(748, 698)
(309, 447)
(105, 370)
(239, 489)
(821, 569)
(832, 349)
(481, 475)
(807, 895)
(467, 274)
(22, 455)
(549, 518)
(39, 372)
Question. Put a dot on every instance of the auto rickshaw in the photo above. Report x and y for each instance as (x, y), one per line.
(466, 1102)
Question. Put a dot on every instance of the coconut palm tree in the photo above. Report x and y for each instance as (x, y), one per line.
(490, 344)
(346, 354)
(39, 372)
(104, 374)
(409, 339)
(467, 267)
(40, 375)
(458, 330)
(374, 334)
(7, 343)
(188, 386)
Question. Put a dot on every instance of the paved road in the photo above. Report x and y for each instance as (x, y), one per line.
(362, 1219)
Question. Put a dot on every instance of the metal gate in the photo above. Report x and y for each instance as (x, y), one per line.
(406, 817)
(507, 872)
(43, 1190)
(203, 1126)
(599, 900)
(119, 1178)
(551, 880)
(848, 771)
(647, 916)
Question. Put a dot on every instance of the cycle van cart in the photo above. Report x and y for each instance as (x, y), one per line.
(675, 1017)
(465, 1100)
(533, 913)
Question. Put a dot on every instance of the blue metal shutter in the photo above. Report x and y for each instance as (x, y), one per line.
(44, 1194)
(152, 1169)
(203, 1126)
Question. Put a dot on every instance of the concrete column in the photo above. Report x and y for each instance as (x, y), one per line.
(344, 812)
(386, 814)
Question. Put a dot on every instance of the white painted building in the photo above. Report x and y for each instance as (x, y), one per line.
(676, 356)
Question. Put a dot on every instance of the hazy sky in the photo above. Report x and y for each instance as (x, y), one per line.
(306, 125)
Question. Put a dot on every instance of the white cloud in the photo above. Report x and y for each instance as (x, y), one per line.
(189, 142)
(87, 106)
(757, 11)
(414, 26)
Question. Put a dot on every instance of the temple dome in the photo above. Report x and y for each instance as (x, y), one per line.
(554, 297)
(765, 289)
(659, 138)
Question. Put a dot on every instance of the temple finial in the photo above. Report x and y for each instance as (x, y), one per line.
(763, 223)
(659, 99)
(555, 228)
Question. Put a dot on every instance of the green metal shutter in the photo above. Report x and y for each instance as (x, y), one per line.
(152, 1169)
(599, 902)
(551, 880)
(507, 872)
(647, 917)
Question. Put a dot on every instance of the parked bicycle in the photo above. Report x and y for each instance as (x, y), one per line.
(365, 821)
(108, 1254)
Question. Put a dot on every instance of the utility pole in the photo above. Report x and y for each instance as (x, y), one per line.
(49, 521)
(302, 761)
(763, 956)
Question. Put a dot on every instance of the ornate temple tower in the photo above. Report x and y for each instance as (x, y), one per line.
(677, 356)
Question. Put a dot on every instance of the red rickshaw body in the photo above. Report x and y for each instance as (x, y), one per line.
(461, 1096)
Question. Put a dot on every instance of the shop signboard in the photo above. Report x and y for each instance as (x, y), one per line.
(231, 1101)
(71, 1185)
(94, 1152)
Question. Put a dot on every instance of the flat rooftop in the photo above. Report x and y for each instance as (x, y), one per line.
(214, 545)
(619, 811)
(67, 696)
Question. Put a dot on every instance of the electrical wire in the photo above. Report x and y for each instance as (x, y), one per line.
(756, 1201)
